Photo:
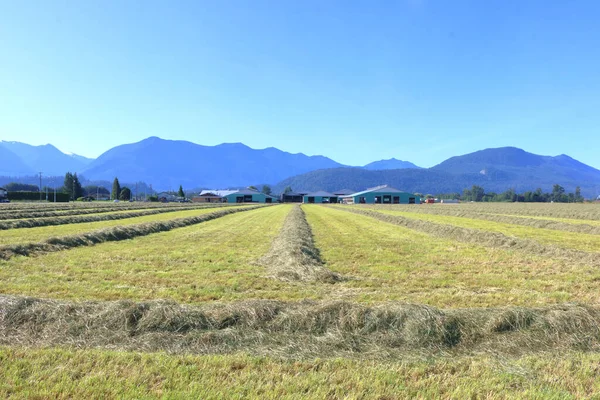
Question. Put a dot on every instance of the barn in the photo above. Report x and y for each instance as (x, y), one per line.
(381, 195)
(234, 196)
(319, 197)
(291, 197)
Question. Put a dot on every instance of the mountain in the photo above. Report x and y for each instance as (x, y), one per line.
(46, 158)
(11, 164)
(169, 163)
(496, 170)
(392, 163)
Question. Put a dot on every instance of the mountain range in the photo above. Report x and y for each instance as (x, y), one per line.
(168, 163)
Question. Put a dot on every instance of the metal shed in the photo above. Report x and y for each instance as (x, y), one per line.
(382, 195)
(320, 197)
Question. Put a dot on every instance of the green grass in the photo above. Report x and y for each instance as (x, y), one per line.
(569, 240)
(214, 260)
(29, 235)
(390, 262)
(62, 373)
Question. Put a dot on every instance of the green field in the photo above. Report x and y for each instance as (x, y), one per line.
(363, 305)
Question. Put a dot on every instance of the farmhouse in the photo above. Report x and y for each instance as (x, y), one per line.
(381, 195)
(233, 196)
(320, 197)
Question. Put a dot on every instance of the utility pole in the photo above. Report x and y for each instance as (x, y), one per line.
(73, 190)
(54, 182)
(40, 186)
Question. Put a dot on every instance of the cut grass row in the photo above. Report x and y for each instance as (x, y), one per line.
(566, 240)
(64, 373)
(299, 330)
(215, 260)
(554, 210)
(79, 219)
(29, 214)
(39, 234)
(569, 225)
(114, 234)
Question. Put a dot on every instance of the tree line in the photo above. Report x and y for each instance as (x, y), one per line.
(478, 194)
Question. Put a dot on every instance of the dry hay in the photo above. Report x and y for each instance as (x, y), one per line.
(506, 219)
(293, 255)
(298, 330)
(484, 238)
(95, 217)
(112, 234)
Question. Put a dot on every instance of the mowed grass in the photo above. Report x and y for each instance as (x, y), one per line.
(568, 240)
(390, 262)
(33, 235)
(214, 260)
(63, 373)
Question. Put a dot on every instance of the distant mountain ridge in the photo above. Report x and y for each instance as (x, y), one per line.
(392, 163)
(169, 163)
(46, 158)
(496, 170)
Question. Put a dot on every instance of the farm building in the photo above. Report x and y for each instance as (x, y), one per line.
(3, 193)
(381, 195)
(234, 196)
(343, 192)
(320, 197)
(291, 197)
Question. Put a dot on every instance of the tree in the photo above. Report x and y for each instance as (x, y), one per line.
(477, 193)
(288, 189)
(68, 185)
(21, 187)
(180, 193)
(578, 197)
(266, 189)
(557, 192)
(125, 194)
(116, 189)
(77, 189)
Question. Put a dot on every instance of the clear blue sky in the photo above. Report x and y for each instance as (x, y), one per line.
(357, 81)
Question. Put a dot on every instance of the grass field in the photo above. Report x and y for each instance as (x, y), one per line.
(37, 234)
(457, 301)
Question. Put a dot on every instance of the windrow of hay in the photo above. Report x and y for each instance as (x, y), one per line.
(112, 234)
(293, 255)
(483, 238)
(92, 217)
(555, 210)
(62, 212)
(298, 330)
(507, 219)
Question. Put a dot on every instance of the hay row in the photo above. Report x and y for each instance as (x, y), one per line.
(506, 219)
(483, 238)
(293, 255)
(568, 211)
(78, 219)
(112, 234)
(298, 329)
(25, 214)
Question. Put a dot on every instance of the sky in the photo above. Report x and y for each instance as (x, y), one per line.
(357, 81)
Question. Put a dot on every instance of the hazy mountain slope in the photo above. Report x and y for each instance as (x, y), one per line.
(495, 169)
(46, 158)
(168, 163)
(11, 164)
(392, 163)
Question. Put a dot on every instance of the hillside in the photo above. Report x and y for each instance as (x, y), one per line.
(46, 158)
(169, 163)
(392, 163)
(494, 169)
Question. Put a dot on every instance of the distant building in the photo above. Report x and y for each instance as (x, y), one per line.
(3, 193)
(166, 197)
(233, 196)
(343, 192)
(381, 195)
(319, 197)
(292, 197)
